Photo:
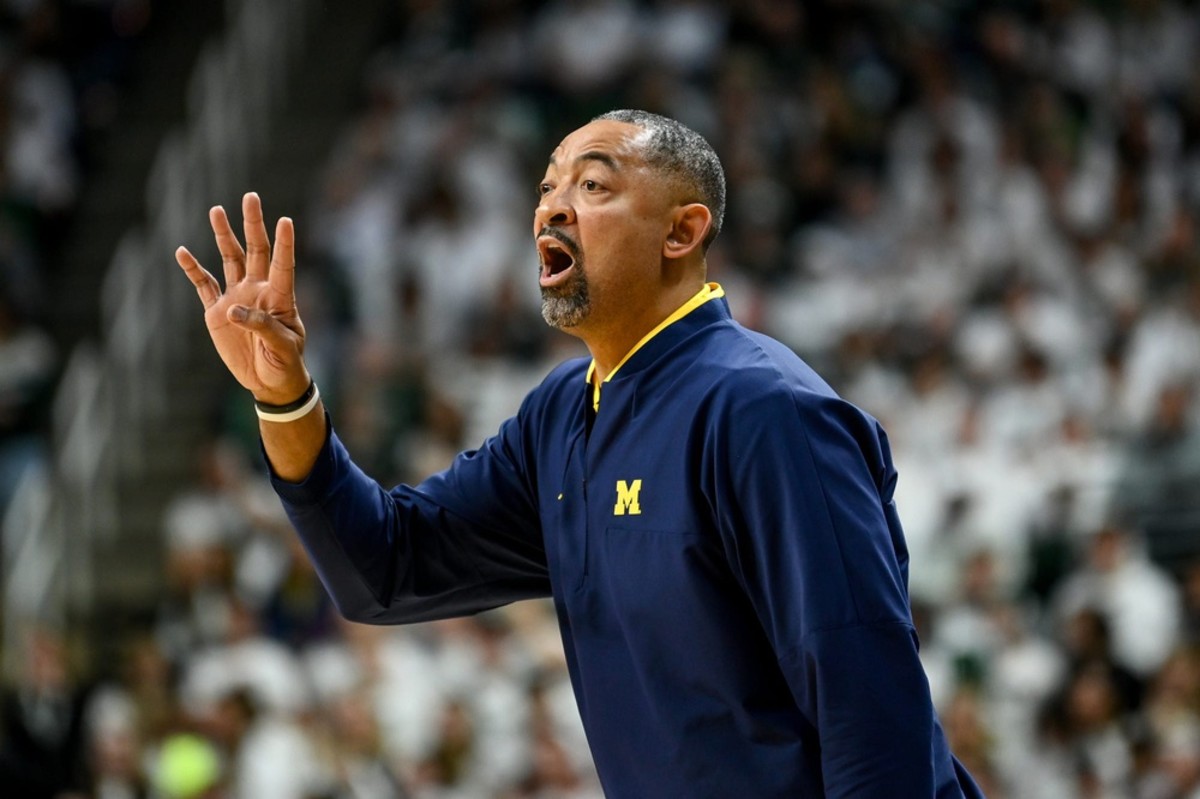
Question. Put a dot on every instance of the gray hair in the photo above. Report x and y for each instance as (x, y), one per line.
(683, 154)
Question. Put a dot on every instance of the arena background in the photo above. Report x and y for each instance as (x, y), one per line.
(978, 221)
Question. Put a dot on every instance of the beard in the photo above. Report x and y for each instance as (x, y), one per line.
(568, 305)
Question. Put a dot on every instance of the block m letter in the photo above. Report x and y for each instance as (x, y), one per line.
(627, 498)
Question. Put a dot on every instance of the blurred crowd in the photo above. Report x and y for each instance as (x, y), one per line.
(978, 221)
(38, 183)
(61, 65)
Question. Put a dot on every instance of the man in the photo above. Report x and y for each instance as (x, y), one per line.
(716, 527)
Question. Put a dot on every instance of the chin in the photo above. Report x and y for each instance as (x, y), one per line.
(564, 313)
(568, 306)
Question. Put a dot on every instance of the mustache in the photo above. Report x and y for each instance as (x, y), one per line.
(562, 238)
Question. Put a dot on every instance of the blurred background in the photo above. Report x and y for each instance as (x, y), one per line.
(977, 220)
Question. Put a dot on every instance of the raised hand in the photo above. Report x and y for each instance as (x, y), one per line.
(254, 323)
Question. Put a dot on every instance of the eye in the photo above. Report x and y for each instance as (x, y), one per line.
(590, 185)
(543, 189)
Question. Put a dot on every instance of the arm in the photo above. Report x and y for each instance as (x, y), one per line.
(256, 328)
(462, 541)
(803, 498)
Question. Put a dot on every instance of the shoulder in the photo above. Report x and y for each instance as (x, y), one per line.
(745, 370)
(759, 392)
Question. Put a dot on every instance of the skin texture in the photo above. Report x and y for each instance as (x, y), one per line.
(640, 245)
(634, 241)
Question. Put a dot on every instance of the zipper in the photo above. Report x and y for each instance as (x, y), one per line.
(587, 524)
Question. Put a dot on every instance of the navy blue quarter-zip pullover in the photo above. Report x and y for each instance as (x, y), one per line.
(717, 530)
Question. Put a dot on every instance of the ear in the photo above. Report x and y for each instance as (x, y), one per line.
(689, 225)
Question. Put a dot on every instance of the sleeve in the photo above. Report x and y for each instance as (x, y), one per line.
(802, 493)
(464, 540)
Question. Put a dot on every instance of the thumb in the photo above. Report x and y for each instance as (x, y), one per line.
(258, 321)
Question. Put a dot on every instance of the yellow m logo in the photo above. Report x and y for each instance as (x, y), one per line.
(627, 498)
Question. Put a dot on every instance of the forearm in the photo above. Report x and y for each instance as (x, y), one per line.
(292, 447)
(412, 554)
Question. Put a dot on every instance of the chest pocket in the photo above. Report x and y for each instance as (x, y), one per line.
(652, 575)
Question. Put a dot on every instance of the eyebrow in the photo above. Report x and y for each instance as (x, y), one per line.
(593, 155)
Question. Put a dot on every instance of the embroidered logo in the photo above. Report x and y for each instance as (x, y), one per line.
(627, 498)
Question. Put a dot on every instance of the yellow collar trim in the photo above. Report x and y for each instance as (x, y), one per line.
(711, 291)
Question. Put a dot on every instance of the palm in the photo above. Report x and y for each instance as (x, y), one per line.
(263, 351)
(246, 353)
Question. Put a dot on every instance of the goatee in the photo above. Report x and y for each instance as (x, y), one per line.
(567, 305)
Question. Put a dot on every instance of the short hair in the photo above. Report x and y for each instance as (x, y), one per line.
(683, 154)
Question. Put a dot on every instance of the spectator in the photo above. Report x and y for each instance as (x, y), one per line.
(1139, 601)
(42, 744)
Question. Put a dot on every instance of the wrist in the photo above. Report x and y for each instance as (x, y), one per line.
(298, 408)
(281, 397)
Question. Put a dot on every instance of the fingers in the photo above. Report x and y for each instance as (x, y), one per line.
(206, 285)
(255, 261)
(232, 255)
(283, 263)
(258, 246)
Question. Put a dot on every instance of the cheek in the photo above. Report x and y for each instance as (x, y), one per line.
(619, 274)
(620, 235)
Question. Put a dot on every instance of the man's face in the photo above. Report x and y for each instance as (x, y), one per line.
(600, 224)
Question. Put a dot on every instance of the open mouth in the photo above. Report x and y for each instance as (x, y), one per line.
(556, 259)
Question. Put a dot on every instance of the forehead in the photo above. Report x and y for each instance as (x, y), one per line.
(621, 141)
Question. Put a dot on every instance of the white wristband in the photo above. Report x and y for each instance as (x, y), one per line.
(291, 416)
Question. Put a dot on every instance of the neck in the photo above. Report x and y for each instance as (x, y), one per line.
(610, 345)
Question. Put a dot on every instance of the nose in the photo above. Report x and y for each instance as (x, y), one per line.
(553, 211)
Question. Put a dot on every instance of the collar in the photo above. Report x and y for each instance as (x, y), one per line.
(710, 291)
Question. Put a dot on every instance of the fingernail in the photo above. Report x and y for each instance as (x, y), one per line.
(239, 313)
